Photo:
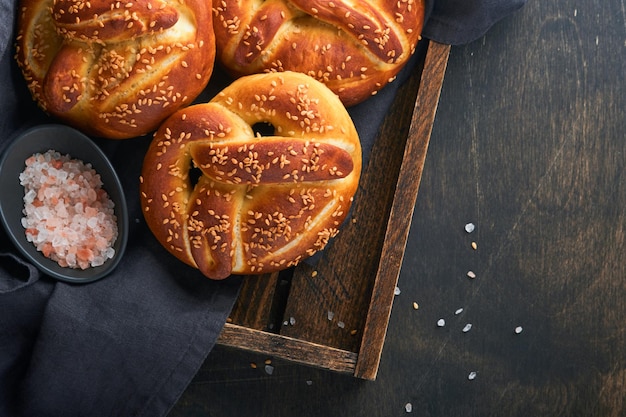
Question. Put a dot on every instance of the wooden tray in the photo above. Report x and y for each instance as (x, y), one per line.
(335, 315)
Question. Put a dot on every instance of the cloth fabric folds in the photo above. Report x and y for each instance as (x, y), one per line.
(457, 22)
(130, 343)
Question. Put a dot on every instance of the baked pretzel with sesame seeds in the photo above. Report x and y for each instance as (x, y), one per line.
(261, 203)
(115, 69)
(354, 47)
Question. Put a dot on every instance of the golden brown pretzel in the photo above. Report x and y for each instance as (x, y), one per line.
(112, 68)
(262, 203)
(354, 47)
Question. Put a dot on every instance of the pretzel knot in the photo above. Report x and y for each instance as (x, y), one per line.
(354, 47)
(259, 203)
(112, 68)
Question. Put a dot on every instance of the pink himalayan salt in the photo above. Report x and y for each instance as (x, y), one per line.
(68, 216)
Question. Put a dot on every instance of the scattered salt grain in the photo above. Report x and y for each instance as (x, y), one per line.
(269, 369)
(518, 329)
(408, 407)
(309, 382)
(67, 214)
(330, 315)
(341, 324)
(471, 274)
(469, 227)
(458, 311)
(292, 320)
(467, 327)
(441, 322)
(471, 376)
(397, 291)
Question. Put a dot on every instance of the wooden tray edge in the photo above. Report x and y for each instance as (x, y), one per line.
(402, 210)
(284, 347)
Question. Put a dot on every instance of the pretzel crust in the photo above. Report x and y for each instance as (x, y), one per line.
(261, 203)
(115, 69)
(354, 47)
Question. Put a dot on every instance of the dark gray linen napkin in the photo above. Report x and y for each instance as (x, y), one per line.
(456, 22)
(129, 344)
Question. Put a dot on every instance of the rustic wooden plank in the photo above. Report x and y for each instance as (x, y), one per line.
(402, 210)
(295, 350)
(329, 302)
(253, 307)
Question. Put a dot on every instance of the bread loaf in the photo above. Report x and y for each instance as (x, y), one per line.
(115, 69)
(259, 203)
(354, 47)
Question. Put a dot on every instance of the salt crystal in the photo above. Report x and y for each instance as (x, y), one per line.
(397, 291)
(441, 322)
(330, 315)
(341, 324)
(269, 369)
(471, 274)
(408, 407)
(58, 193)
(471, 376)
(518, 329)
(92, 222)
(292, 320)
(458, 311)
(467, 327)
(29, 197)
(469, 227)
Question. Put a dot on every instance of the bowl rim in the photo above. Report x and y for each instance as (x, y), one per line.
(59, 137)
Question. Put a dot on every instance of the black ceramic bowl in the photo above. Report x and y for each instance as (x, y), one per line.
(64, 140)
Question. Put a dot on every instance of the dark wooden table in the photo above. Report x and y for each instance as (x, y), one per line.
(529, 145)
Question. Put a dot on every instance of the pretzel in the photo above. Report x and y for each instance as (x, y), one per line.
(354, 47)
(111, 68)
(261, 203)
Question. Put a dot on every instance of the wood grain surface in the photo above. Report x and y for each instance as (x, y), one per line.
(529, 145)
